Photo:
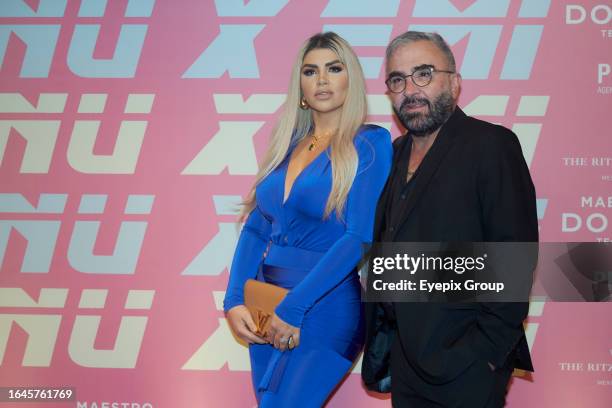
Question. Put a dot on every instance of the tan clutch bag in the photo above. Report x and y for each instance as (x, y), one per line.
(261, 299)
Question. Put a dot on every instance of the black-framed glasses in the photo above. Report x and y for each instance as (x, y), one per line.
(420, 77)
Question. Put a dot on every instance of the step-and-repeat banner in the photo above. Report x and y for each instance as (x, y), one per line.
(129, 129)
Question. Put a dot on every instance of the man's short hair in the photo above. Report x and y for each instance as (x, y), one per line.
(412, 36)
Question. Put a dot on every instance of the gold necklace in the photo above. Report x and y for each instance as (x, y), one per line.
(315, 140)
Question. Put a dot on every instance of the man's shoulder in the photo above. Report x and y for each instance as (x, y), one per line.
(483, 126)
(486, 133)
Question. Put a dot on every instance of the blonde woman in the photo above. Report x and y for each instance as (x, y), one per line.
(307, 217)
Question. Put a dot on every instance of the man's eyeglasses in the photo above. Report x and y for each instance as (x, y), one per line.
(420, 77)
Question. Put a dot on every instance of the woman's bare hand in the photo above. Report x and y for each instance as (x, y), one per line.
(242, 324)
(282, 335)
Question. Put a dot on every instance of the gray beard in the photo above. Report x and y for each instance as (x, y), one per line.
(422, 124)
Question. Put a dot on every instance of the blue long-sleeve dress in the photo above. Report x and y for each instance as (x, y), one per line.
(316, 259)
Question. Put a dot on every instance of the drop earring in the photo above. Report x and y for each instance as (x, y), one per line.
(303, 103)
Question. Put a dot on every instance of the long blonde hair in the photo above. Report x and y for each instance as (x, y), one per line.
(295, 123)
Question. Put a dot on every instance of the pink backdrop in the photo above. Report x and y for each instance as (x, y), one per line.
(128, 129)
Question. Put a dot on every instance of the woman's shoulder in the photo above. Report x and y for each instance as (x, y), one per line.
(372, 136)
(371, 132)
(373, 143)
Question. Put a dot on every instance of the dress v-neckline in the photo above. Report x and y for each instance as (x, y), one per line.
(287, 194)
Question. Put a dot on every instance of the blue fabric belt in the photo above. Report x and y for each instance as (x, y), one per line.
(292, 257)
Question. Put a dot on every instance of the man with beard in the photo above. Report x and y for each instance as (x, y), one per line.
(454, 179)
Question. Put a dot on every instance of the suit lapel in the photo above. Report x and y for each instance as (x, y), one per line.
(430, 164)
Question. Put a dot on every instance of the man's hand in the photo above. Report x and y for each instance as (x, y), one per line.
(242, 324)
(282, 335)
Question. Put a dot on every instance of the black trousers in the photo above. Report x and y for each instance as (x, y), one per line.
(477, 387)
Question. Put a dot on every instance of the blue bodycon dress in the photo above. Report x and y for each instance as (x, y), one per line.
(316, 259)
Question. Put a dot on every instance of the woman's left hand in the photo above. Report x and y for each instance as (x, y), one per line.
(280, 333)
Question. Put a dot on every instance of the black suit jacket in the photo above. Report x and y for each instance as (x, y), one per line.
(473, 186)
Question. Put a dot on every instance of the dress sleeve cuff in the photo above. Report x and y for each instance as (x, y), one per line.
(290, 315)
(229, 303)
